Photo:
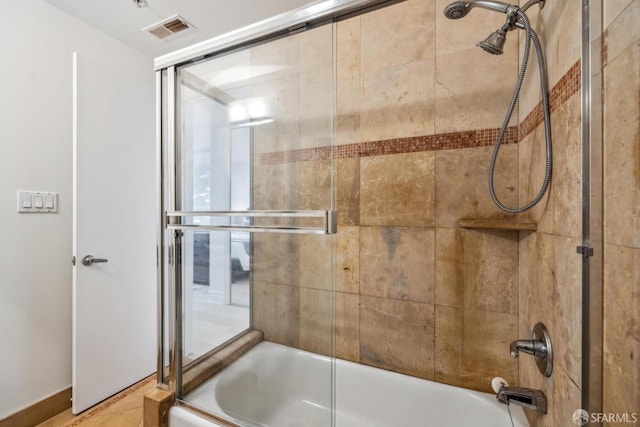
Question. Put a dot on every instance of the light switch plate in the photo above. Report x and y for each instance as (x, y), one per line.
(37, 202)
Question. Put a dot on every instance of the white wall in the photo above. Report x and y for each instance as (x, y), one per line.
(36, 44)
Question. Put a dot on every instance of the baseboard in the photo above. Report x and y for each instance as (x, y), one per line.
(40, 411)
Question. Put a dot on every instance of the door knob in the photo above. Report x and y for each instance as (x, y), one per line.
(90, 260)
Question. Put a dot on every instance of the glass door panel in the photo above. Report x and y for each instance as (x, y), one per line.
(254, 204)
(215, 305)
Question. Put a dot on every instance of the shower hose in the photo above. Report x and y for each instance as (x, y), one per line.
(544, 89)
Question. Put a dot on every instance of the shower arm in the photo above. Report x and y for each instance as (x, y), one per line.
(531, 3)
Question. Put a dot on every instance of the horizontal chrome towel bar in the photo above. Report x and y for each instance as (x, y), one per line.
(270, 214)
(329, 221)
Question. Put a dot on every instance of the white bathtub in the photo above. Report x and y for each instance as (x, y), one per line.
(277, 386)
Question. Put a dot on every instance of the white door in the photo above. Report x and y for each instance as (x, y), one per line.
(114, 211)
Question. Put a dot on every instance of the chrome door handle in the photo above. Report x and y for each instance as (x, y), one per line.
(90, 259)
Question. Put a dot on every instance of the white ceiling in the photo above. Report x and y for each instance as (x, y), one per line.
(124, 21)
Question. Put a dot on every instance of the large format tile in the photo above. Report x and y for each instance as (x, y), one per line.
(448, 344)
(348, 191)
(397, 335)
(449, 287)
(462, 189)
(348, 49)
(398, 101)
(276, 187)
(490, 270)
(397, 263)
(315, 192)
(408, 25)
(316, 87)
(612, 10)
(485, 348)
(316, 324)
(532, 168)
(316, 105)
(276, 310)
(566, 398)
(315, 262)
(348, 326)
(536, 280)
(315, 48)
(275, 258)
(348, 75)
(347, 254)
(567, 306)
(476, 97)
(567, 169)
(621, 329)
(560, 30)
(622, 150)
(348, 107)
(624, 30)
(397, 190)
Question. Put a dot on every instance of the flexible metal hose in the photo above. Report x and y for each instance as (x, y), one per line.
(544, 89)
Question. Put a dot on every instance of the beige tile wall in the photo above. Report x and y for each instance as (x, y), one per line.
(414, 293)
(622, 209)
(435, 301)
(549, 267)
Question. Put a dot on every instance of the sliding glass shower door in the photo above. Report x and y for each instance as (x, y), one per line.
(249, 213)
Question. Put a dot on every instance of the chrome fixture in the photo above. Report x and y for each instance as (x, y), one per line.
(516, 18)
(539, 346)
(495, 42)
(525, 397)
(460, 9)
(89, 260)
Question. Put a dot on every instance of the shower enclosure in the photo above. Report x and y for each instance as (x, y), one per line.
(246, 228)
(323, 188)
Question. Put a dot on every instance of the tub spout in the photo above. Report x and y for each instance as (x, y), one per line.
(525, 397)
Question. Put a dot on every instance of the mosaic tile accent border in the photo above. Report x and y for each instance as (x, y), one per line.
(445, 141)
(568, 85)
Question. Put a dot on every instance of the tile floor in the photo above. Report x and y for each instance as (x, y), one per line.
(121, 410)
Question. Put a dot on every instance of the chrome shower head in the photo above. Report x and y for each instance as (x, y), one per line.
(494, 44)
(460, 9)
(457, 10)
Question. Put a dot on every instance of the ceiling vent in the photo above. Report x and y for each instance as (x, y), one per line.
(170, 28)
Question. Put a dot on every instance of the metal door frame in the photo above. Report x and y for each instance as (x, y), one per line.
(592, 248)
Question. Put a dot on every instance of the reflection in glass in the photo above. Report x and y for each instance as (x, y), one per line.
(215, 172)
(255, 133)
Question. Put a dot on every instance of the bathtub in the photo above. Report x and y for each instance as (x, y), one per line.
(277, 386)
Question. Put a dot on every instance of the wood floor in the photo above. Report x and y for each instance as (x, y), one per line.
(122, 410)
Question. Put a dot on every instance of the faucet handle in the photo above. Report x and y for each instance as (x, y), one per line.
(533, 347)
(539, 346)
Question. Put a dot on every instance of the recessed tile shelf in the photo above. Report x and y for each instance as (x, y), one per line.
(497, 224)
